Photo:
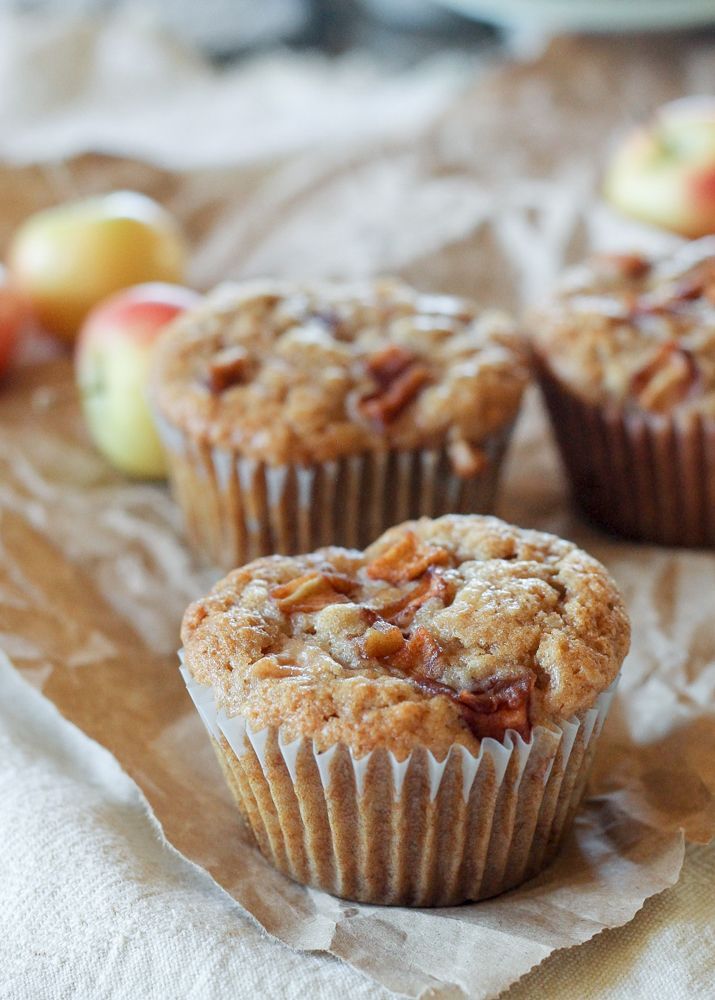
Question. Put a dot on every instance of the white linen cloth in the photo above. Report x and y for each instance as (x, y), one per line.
(94, 902)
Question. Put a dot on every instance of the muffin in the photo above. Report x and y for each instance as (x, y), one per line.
(625, 353)
(302, 416)
(412, 724)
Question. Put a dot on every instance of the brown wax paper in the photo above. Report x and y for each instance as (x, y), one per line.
(94, 574)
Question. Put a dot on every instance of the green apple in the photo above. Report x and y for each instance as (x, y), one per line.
(664, 172)
(112, 363)
(65, 260)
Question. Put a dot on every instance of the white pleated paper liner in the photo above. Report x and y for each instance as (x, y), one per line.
(237, 508)
(645, 476)
(417, 832)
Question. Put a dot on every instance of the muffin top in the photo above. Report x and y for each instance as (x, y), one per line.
(635, 331)
(290, 373)
(442, 631)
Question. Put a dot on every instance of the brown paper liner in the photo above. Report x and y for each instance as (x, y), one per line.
(236, 509)
(645, 476)
(415, 833)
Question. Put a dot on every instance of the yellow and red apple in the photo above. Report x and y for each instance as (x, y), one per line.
(112, 364)
(14, 315)
(663, 173)
(66, 259)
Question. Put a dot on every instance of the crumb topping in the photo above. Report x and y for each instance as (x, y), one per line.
(286, 373)
(635, 330)
(442, 631)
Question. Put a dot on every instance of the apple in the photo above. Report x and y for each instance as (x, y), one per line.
(663, 173)
(14, 315)
(67, 259)
(112, 363)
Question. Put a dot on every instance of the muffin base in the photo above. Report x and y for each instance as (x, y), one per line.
(237, 509)
(644, 476)
(417, 832)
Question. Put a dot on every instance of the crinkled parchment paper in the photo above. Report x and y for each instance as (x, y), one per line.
(94, 576)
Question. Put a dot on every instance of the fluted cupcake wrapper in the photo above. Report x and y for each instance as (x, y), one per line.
(645, 476)
(417, 832)
(237, 508)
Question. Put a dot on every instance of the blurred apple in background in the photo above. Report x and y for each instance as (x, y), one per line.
(664, 172)
(67, 259)
(14, 315)
(112, 365)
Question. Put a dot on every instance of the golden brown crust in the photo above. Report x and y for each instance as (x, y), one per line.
(285, 373)
(441, 632)
(635, 331)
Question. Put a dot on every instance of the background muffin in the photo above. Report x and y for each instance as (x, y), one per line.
(626, 358)
(412, 724)
(296, 416)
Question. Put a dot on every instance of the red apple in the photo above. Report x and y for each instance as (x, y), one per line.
(664, 172)
(14, 314)
(112, 364)
(67, 259)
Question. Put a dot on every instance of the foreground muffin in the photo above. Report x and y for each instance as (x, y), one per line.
(301, 416)
(626, 358)
(413, 724)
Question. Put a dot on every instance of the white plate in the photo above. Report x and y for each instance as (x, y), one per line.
(589, 15)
